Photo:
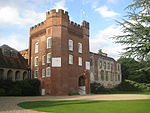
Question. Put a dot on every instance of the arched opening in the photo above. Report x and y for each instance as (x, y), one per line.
(17, 75)
(1, 74)
(82, 88)
(82, 81)
(25, 75)
(9, 75)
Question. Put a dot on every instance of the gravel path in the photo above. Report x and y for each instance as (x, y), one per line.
(9, 104)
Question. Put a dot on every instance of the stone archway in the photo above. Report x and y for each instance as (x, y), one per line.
(9, 75)
(25, 75)
(17, 75)
(1, 74)
(81, 84)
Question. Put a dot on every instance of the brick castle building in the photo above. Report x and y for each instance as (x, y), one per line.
(59, 54)
(59, 57)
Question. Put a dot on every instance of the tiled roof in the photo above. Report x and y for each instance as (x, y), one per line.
(12, 62)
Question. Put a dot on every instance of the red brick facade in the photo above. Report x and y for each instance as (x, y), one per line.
(63, 79)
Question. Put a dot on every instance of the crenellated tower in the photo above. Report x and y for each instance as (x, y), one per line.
(59, 54)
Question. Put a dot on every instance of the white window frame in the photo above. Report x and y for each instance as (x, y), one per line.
(48, 58)
(36, 47)
(70, 43)
(43, 73)
(87, 65)
(80, 61)
(35, 73)
(70, 59)
(48, 72)
(49, 42)
(43, 60)
(36, 61)
(80, 47)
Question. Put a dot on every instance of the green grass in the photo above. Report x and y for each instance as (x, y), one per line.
(87, 106)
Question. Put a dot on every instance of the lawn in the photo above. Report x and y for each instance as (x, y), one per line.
(89, 106)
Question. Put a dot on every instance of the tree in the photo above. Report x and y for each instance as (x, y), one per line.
(134, 70)
(136, 31)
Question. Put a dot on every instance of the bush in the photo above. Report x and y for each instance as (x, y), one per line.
(125, 86)
(73, 94)
(97, 88)
(20, 88)
(2, 92)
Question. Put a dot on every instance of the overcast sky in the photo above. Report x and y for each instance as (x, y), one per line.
(17, 16)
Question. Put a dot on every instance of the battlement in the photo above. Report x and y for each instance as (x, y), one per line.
(59, 13)
(74, 24)
(54, 16)
(37, 26)
(85, 24)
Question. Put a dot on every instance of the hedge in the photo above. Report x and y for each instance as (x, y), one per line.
(125, 86)
(20, 88)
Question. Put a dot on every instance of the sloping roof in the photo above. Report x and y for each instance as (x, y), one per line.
(12, 62)
(7, 47)
(91, 53)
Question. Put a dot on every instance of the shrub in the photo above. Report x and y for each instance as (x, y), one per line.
(97, 88)
(73, 94)
(2, 92)
(125, 86)
(20, 88)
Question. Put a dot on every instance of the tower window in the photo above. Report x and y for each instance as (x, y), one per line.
(49, 58)
(80, 61)
(43, 60)
(36, 47)
(36, 61)
(70, 45)
(49, 42)
(35, 73)
(70, 59)
(48, 72)
(80, 47)
(43, 72)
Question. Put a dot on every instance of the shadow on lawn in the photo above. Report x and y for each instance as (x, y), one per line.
(42, 104)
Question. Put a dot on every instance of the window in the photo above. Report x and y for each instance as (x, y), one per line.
(43, 60)
(70, 59)
(100, 64)
(35, 73)
(71, 45)
(43, 73)
(106, 75)
(87, 65)
(102, 75)
(36, 47)
(36, 61)
(112, 67)
(80, 47)
(49, 42)
(80, 61)
(104, 65)
(49, 58)
(108, 65)
(48, 72)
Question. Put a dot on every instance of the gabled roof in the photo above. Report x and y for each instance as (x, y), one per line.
(12, 62)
